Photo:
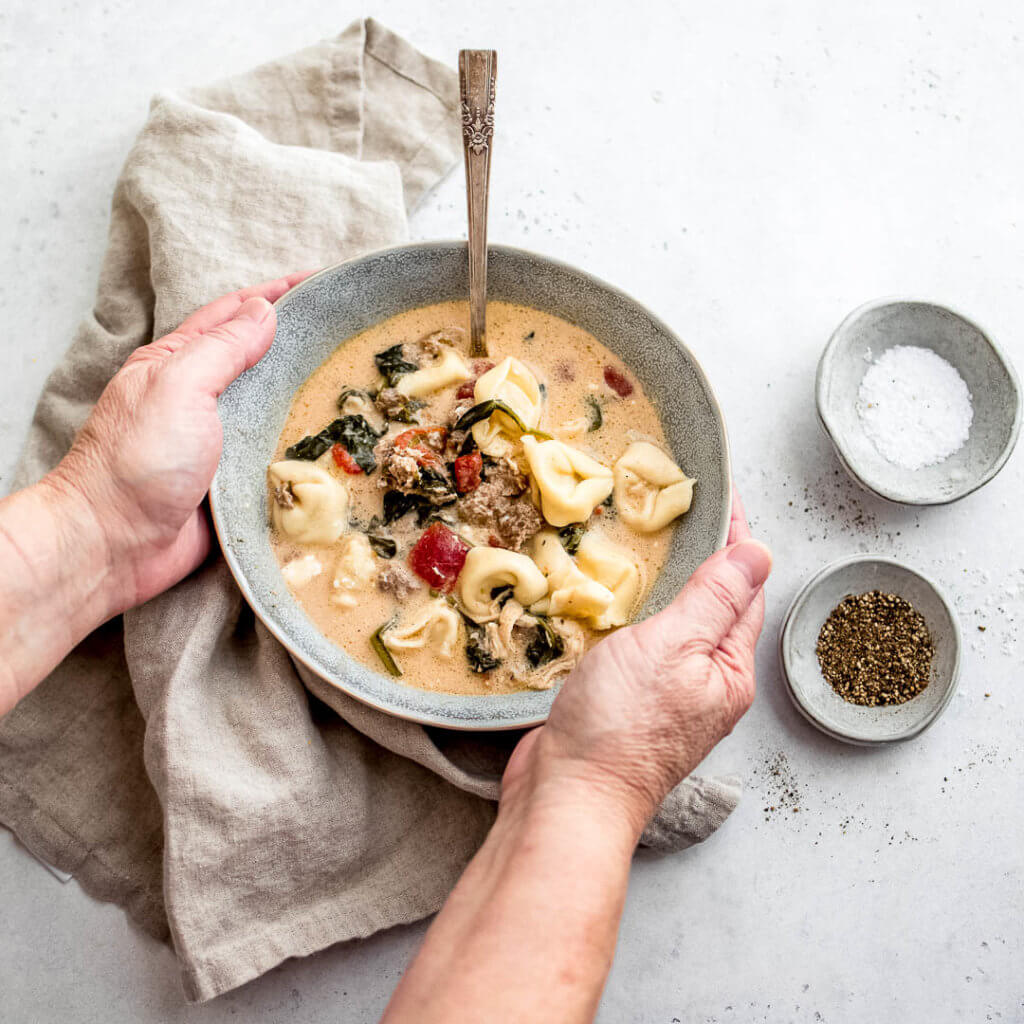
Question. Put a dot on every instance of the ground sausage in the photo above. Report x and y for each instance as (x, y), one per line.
(500, 505)
(397, 580)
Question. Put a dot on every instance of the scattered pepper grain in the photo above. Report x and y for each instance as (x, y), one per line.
(875, 649)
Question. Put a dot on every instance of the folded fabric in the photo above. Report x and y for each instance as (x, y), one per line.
(178, 762)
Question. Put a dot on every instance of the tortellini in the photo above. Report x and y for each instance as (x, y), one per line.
(488, 569)
(308, 504)
(300, 571)
(567, 484)
(447, 369)
(650, 489)
(570, 592)
(437, 625)
(356, 566)
(513, 383)
(611, 566)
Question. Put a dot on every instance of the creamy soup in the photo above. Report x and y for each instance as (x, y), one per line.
(472, 526)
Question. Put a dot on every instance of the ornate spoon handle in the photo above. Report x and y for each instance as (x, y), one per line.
(477, 71)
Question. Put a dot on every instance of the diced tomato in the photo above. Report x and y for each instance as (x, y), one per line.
(467, 472)
(465, 390)
(422, 437)
(494, 542)
(618, 381)
(344, 461)
(438, 556)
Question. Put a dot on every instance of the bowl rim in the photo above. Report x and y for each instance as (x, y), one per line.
(423, 718)
(824, 371)
(860, 739)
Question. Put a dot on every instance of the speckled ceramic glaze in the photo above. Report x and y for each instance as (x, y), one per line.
(327, 309)
(813, 696)
(995, 395)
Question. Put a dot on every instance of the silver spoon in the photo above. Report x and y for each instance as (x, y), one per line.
(477, 71)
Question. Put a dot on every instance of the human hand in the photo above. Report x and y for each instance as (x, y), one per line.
(646, 705)
(142, 464)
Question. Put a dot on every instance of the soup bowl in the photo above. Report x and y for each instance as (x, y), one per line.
(330, 307)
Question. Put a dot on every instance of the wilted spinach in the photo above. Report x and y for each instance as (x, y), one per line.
(353, 432)
(478, 654)
(571, 535)
(595, 417)
(393, 365)
(384, 545)
(546, 644)
(486, 409)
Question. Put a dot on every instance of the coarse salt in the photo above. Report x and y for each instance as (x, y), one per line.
(915, 407)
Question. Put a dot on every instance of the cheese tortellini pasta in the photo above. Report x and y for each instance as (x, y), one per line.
(488, 569)
(570, 592)
(447, 369)
(650, 489)
(308, 504)
(436, 625)
(612, 567)
(513, 383)
(567, 484)
(356, 567)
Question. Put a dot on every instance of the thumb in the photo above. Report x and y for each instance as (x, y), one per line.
(217, 356)
(715, 598)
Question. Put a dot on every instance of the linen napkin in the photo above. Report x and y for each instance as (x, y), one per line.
(178, 762)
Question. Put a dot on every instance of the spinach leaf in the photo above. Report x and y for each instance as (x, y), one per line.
(435, 483)
(571, 535)
(377, 643)
(404, 409)
(357, 436)
(309, 448)
(478, 654)
(546, 644)
(398, 504)
(595, 417)
(384, 545)
(392, 365)
(486, 409)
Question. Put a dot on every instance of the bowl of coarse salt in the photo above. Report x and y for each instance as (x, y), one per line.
(920, 403)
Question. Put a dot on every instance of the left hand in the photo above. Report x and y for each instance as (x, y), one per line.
(143, 462)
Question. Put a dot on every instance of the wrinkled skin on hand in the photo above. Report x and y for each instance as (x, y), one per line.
(144, 459)
(647, 704)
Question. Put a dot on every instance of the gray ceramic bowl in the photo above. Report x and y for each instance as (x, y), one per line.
(995, 394)
(813, 696)
(327, 309)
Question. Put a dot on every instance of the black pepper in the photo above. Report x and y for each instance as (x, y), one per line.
(875, 649)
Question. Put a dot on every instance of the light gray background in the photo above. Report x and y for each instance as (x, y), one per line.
(752, 171)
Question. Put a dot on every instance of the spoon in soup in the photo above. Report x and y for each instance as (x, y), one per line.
(477, 71)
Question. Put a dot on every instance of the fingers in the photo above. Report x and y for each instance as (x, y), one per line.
(217, 356)
(716, 598)
(738, 528)
(223, 309)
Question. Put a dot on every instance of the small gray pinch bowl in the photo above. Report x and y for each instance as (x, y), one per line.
(995, 395)
(318, 315)
(814, 697)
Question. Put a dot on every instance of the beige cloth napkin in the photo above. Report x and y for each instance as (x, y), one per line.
(175, 763)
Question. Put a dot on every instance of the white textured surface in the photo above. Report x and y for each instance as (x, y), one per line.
(752, 172)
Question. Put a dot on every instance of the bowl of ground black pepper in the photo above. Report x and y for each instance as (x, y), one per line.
(870, 651)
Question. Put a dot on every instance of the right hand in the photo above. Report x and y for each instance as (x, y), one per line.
(646, 705)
